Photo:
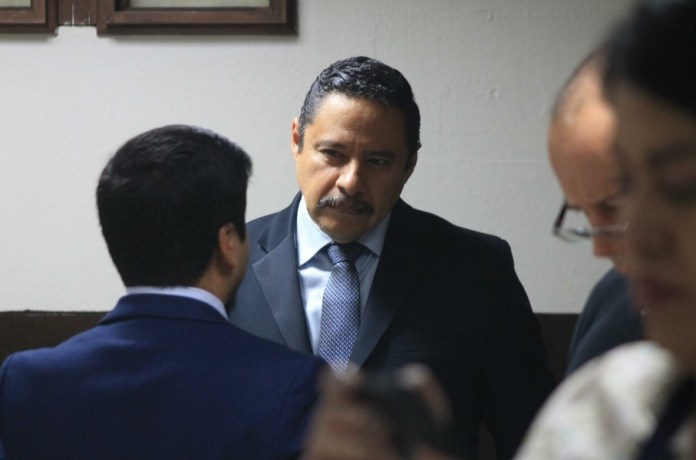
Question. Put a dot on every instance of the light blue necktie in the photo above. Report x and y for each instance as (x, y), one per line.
(340, 309)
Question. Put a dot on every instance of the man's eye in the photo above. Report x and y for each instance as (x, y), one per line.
(379, 162)
(331, 154)
(678, 182)
(679, 194)
(679, 174)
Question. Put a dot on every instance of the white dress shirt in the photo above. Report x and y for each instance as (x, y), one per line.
(314, 265)
(182, 291)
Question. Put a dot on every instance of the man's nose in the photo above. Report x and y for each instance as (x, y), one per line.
(350, 179)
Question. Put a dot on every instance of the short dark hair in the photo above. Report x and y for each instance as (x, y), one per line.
(162, 199)
(655, 50)
(364, 78)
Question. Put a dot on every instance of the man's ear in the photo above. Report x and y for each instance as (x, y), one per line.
(230, 246)
(295, 138)
(411, 165)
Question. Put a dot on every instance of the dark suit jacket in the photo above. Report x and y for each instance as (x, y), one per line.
(442, 295)
(608, 319)
(160, 377)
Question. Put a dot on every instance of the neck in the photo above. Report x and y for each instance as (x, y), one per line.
(216, 286)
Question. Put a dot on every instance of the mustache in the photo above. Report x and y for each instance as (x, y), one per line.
(355, 203)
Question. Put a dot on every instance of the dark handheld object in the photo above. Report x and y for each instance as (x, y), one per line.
(406, 412)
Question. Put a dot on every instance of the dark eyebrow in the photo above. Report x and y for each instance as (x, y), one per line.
(661, 157)
(328, 144)
(388, 154)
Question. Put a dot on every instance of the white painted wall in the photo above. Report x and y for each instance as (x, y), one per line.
(484, 72)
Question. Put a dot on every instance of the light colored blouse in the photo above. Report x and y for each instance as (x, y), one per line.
(609, 407)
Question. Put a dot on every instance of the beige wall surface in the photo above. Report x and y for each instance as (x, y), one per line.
(484, 73)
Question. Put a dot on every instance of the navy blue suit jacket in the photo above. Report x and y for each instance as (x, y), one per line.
(160, 377)
(608, 319)
(442, 295)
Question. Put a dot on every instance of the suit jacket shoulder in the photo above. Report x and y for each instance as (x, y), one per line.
(607, 320)
(158, 378)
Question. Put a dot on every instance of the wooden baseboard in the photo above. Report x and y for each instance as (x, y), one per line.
(22, 330)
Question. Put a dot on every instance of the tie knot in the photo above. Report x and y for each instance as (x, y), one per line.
(348, 252)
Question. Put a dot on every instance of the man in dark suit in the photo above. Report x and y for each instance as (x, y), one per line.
(430, 292)
(581, 150)
(164, 375)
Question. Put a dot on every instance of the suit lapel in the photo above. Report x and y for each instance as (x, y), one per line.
(403, 259)
(276, 272)
(280, 285)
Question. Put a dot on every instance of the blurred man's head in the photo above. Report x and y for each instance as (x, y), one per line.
(171, 204)
(581, 140)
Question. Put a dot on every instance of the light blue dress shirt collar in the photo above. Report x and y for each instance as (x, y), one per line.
(182, 291)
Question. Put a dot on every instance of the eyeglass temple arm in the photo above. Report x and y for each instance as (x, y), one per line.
(559, 219)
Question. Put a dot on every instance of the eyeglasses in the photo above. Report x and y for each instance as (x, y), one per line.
(572, 225)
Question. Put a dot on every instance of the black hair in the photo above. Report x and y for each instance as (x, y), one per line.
(162, 199)
(364, 78)
(655, 50)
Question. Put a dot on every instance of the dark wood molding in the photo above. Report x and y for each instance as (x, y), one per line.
(23, 330)
(116, 17)
(20, 330)
(41, 17)
(77, 12)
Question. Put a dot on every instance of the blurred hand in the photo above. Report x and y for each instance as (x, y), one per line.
(345, 427)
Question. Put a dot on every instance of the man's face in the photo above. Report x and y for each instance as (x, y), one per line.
(657, 146)
(581, 152)
(353, 165)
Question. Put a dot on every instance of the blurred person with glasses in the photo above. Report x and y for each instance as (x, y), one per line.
(580, 143)
(638, 401)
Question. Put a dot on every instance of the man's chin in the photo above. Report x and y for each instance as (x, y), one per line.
(342, 231)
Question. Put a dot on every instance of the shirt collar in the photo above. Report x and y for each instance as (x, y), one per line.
(310, 239)
(183, 291)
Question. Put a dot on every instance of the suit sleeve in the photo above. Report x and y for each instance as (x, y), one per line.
(517, 376)
(298, 408)
(3, 374)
